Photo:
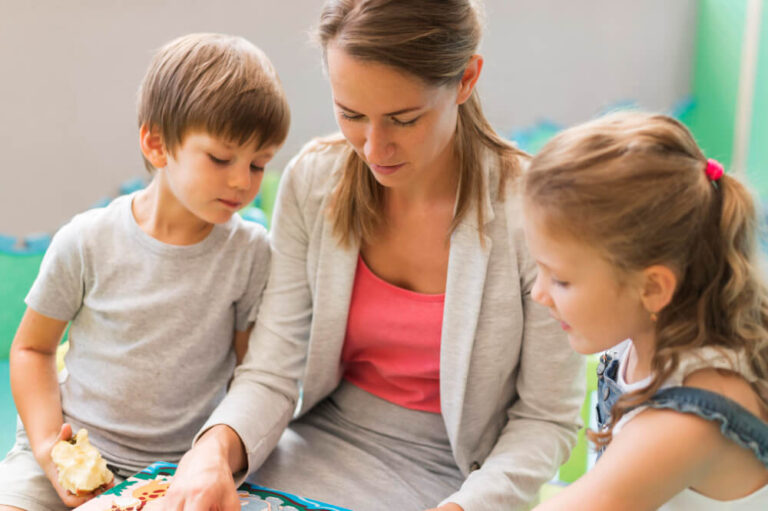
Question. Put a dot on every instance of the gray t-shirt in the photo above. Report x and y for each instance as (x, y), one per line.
(151, 328)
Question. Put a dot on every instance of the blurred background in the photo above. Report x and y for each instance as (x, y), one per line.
(70, 71)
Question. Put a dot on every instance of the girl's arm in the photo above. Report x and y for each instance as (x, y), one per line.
(35, 390)
(656, 455)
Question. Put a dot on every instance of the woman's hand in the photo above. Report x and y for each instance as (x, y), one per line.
(52, 473)
(447, 507)
(203, 480)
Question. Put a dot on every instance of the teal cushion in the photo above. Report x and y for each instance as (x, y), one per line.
(7, 411)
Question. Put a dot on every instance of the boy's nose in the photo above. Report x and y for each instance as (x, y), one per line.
(240, 176)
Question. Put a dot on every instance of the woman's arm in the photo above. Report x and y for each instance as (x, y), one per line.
(550, 385)
(246, 426)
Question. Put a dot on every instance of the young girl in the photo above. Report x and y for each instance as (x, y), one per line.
(638, 236)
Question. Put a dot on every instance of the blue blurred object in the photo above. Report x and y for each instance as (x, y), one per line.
(257, 201)
(254, 214)
(37, 243)
(32, 244)
(132, 185)
(102, 203)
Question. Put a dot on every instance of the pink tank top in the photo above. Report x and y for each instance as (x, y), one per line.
(392, 344)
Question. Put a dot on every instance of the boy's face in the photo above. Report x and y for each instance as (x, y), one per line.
(213, 178)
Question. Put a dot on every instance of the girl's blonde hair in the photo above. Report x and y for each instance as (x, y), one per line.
(433, 41)
(634, 186)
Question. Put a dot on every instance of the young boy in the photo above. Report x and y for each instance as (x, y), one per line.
(161, 287)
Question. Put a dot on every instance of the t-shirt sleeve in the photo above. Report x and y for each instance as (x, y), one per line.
(57, 292)
(247, 308)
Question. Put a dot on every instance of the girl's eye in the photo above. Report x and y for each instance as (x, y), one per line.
(350, 117)
(398, 122)
(217, 161)
(559, 283)
(256, 168)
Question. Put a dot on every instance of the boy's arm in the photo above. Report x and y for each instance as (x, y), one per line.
(35, 389)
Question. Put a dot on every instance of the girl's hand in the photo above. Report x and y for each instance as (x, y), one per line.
(447, 507)
(52, 473)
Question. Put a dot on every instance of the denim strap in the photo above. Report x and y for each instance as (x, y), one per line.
(736, 422)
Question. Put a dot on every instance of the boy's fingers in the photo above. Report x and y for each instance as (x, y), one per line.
(66, 432)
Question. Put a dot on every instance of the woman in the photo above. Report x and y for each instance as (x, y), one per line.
(399, 296)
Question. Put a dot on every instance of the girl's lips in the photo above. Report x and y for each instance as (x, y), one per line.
(386, 169)
(565, 326)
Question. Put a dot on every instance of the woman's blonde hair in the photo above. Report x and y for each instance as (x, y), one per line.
(433, 41)
(634, 186)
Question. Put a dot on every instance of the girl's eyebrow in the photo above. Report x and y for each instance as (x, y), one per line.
(398, 112)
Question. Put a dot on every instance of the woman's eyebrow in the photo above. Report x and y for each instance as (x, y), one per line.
(398, 112)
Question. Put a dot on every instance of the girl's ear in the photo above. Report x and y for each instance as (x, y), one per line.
(469, 78)
(152, 146)
(659, 285)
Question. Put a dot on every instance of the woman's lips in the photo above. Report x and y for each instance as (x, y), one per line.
(386, 169)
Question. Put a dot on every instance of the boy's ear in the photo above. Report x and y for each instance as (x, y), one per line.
(469, 78)
(152, 146)
(659, 285)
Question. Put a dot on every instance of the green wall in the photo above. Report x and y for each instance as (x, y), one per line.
(720, 29)
(757, 159)
(717, 67)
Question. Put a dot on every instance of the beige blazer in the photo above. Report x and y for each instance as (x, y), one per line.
(510, 386)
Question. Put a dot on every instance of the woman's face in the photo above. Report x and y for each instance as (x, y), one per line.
(400, 126)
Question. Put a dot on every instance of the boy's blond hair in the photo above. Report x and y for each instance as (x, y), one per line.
(221, 84)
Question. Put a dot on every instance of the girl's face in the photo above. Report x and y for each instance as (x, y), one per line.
(583, 290)
(401, 127)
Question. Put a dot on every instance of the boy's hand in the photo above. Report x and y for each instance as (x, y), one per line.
(202, 482)
(44, 458)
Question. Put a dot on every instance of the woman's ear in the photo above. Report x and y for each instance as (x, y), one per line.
(152, 146)
(469, 78)
(658, 288)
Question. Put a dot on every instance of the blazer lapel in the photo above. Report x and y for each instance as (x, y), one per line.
(334, 278)
(467, 265)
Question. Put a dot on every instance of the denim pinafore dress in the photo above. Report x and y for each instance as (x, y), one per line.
(735, 422)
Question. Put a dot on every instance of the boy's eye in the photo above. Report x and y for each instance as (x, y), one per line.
(398, 122)
(217, 161)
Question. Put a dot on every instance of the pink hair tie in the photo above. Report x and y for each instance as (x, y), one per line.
(714, 169)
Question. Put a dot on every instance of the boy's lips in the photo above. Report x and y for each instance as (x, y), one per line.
(231, 204)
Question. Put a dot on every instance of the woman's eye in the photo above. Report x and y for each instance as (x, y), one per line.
(350, 117)
(398, 122)
(217, 161)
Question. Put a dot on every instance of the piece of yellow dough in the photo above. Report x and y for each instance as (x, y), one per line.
(81, 467)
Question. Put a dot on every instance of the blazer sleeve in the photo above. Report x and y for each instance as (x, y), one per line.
(263, 394)
(543, 421)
